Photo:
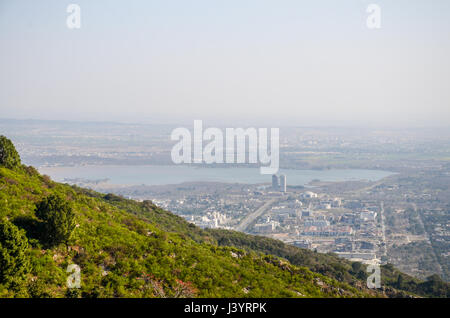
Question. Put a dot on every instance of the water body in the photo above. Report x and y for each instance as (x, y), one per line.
(165, 174)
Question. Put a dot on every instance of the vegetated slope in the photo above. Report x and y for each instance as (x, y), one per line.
(125, 255)
(394, 282)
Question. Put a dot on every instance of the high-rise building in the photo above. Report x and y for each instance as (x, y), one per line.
(283, 183)
(275, 183)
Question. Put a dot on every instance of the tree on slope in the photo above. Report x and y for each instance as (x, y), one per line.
(59, 218)
(14, 260)
(9, 157)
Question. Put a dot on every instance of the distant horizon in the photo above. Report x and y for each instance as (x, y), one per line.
(234, 124)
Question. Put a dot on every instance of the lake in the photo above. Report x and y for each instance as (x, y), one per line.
(165, 174)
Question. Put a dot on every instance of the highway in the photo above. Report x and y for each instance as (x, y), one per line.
(253, 216)
(383, 229)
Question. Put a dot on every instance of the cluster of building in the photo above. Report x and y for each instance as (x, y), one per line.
(305, 219)
(326, 224)
(213, 220)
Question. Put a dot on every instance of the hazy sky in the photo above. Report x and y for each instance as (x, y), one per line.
(256, 61)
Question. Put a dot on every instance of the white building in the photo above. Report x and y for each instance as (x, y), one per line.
(266, 227)
(368, 216)
(309, 194)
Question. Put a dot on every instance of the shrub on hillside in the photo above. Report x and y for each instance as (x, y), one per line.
(59, 218)
(9, 157)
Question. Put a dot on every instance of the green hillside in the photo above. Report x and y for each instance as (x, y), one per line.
(130, 249)
(330, 265)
